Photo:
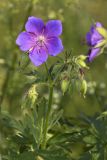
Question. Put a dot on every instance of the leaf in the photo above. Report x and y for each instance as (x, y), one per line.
(55, 154)
(42, 107)
(9, 122)
(38, 120)
(24, 155)
(21, 139)
(90, 139)
(86, 156)
(56, 69)
(95, 156)
(37, 77)
(24, 61)
(55, 118)
(33, 73)
(62, 138)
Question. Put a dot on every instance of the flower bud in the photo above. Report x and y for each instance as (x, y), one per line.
(102, 31)
(81, 61)
(30, 98)
(39, 158)
(83, 87)
(32, 93)
(64, 85)
(82, 57)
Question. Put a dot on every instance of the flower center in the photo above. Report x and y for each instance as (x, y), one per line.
(41, 38)
(40, 41)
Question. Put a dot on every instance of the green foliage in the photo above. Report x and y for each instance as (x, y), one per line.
(71, 134)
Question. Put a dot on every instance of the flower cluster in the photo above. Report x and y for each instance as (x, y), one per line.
(96, 39)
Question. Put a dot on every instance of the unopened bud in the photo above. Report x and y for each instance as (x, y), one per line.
(64, 85)
(102, 31)
(31, 97)
(81, 61)
(83, 87)
(32, 93)
(82, 57)
(39, 158)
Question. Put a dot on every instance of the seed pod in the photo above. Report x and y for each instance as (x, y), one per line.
(83, 87)
(64, 85)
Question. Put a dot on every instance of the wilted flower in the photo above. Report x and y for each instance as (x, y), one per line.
(40, 40)
(96, 39)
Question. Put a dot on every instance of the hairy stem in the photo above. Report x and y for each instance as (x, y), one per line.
(47, 116)
(48, 109)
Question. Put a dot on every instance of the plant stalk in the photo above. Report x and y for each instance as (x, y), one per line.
(48, 111)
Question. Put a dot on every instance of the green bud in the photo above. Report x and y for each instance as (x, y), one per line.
(102, 31)
(80, 60)
(32, 94)
(30, 98)
(82, 57)
(39, 158)
(102, 43)
(83, 87)
(64, 85)
(82, 64)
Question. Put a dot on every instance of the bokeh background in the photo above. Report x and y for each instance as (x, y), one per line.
(77, 16)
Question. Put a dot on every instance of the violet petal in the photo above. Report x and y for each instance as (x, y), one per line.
(53, 28)
(25, 41)
(88, 38)
(93, 53)
(54, 46)
(38, 57)
(34, 25)
(95, 38)
(98, 24)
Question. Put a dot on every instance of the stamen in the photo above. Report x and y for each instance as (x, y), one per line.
(40, 41)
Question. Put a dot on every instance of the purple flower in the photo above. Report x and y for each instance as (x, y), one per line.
(95, 41)
(40, 40)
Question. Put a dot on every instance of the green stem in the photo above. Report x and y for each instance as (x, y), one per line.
(47, 116)
(48, 110)
(49, 76)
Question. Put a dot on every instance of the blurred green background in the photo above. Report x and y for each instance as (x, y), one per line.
(77, 16)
